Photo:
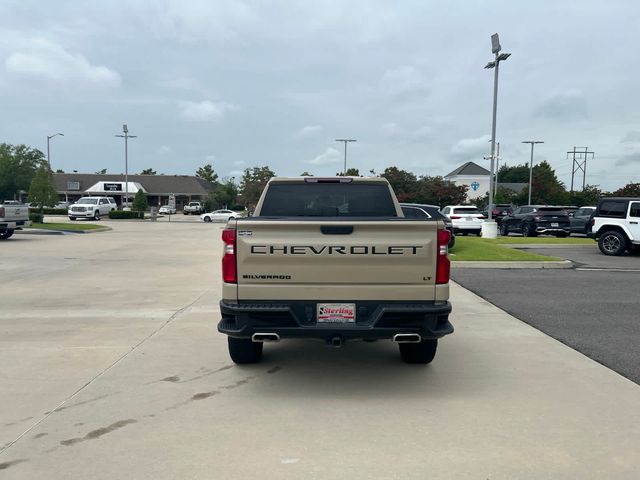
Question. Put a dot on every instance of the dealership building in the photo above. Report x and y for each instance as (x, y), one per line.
(158, 188)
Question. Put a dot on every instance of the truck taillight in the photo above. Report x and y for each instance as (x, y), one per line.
(229, 269)
(443, 265)
(1, 211)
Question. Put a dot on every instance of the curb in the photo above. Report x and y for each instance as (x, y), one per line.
(37, 231)
(548, 245)
(44, 231)
(512, 265)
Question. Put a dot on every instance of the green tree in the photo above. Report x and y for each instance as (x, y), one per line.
(102, 172)
(546, 188)
(629, 190)
(513, 174)
(351, 172)
(148, 171)
(59, 170)
(438, 191)
(140, 203)
(253, 182)
(42, 191)
(404, 183)
(306, 174)
(18, 166)
(589, 196)
(207, 173)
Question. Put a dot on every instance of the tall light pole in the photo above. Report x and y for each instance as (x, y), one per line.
(345, 140)
(126, 136)
(532, 142)
(497, 165)
(49, 137)
(499, 57)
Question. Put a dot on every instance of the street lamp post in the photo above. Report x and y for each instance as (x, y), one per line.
(499, 57)
(345, 140)
(126, 136)
(532, 142)
(49, 137)
(495, 191)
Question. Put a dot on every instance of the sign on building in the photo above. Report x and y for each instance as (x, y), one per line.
(172, 201)
(112, 187)
(73, 186)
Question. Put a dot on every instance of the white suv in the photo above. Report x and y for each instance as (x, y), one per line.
(464, 218)
(616, 225)
(91, 207)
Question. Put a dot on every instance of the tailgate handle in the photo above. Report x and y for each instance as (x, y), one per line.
(336, 229)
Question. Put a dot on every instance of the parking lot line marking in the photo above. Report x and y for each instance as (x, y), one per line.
(605, 269)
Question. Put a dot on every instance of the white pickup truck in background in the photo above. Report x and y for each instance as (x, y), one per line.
(193, 208)
(13, 216)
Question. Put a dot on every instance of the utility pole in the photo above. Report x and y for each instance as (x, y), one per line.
(532, 142)
(49, 137)
(345, 140)
(579, 163)
(126, 136)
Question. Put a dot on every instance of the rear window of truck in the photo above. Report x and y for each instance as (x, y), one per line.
(328, 200)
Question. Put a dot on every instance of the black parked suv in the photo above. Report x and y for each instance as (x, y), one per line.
(499, 212)
(425, 212)
(532, 220)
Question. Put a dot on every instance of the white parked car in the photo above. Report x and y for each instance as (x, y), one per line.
(91, 207)
(464, 218)
(166, 209)
(220, 216)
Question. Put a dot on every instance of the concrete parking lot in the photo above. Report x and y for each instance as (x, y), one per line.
(111, 367)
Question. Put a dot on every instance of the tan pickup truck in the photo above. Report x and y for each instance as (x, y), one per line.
(334, 259)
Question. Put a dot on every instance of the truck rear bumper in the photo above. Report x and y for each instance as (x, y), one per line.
(374, 320)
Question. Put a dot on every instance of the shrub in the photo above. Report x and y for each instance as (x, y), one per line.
(121, 214)
(51, 211)
(36, 217)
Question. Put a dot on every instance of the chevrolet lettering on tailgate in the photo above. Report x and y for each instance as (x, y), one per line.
(334, 259)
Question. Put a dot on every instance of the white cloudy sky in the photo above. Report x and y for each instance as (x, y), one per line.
(243, 83)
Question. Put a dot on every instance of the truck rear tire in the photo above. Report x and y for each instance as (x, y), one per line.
(5, 234)
(423, 352)
(243, 350)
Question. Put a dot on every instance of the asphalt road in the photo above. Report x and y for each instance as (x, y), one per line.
(594, 308)
(111, 367)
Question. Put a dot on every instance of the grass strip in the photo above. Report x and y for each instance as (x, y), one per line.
(68, 227)
(483, 250)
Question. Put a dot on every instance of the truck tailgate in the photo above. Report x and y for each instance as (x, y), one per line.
(15, 213)
(336, 260)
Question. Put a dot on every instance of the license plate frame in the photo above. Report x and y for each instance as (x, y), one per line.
(336, 313)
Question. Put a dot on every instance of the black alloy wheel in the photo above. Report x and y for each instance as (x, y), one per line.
(612, 243)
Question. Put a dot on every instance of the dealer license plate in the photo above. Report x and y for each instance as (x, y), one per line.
(554, 224)
(336, 313)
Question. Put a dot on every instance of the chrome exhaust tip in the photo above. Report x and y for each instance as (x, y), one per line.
(265, 337)
(407, 338)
